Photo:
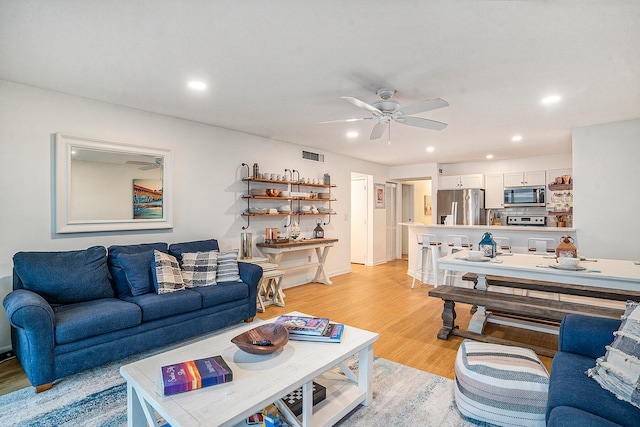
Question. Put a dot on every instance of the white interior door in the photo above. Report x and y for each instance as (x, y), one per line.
(392, 220)
(359, 204)
(407, 215)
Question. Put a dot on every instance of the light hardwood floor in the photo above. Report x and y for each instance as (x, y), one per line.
(378, 299)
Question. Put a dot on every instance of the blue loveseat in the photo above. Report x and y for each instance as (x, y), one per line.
(574, 398)
(75, 310)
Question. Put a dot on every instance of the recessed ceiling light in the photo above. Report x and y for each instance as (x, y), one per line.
(352, 134)
(551, 99)
(430, 149)
(516, 138)
(197, 85)
(489, 156)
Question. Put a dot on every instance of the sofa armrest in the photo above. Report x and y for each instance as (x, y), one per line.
(250, 274)
(32, 336)
(586, 335)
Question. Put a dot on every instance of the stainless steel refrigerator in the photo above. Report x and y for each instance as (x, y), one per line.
(465, 206)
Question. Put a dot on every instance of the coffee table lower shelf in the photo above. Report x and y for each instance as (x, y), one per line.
(343, 395)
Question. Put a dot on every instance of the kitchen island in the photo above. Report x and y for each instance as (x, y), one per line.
(517, 234)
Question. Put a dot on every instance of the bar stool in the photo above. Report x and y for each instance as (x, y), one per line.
(503, 244)
(456, 243)
(427, 243)
(541, 245)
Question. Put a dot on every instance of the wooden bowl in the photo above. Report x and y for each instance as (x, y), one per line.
(273, 192)
(277, 334)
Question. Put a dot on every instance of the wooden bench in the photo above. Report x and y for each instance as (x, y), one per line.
(531, 308)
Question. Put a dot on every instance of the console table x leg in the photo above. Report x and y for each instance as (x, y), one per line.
(321, 274)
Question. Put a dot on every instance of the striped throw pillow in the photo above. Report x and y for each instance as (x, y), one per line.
(228, 266)
(199, 268)
(500, 384)
(618, 371)
(166, 273)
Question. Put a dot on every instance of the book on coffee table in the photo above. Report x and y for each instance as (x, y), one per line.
(194, 374)
(333, 333)
(303, 325)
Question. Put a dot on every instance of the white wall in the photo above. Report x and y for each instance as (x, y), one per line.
(606, 164)
(207, 179)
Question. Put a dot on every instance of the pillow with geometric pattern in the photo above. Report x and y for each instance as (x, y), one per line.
(618, 371)
(166, 273)
(199, 268)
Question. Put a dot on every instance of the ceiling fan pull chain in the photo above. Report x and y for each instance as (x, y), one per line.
(389, 141)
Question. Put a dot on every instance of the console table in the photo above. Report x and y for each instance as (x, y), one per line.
(275, 251)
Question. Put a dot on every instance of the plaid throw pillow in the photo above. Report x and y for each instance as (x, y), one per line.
(228, 266)
(199, 268)
(166, 273)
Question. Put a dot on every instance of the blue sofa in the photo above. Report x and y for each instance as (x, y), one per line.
(574, 398)
(75, 310)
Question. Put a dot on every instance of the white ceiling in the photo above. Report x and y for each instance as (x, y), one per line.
(276, 68)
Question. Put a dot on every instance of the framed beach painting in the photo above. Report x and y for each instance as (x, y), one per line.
(147, 198)
(379, 195)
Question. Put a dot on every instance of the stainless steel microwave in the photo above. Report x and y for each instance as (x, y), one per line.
(524, 196)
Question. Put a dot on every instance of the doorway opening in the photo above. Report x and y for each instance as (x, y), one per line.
(417, 206)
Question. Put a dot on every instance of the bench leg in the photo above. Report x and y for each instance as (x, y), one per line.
(448, 320)
(478, 320)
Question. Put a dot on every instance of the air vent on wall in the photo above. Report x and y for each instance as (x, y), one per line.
(313, 156)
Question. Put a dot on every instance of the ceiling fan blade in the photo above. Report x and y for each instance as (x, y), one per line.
(422, 106)
(345, 120)
(420, 122)
(377, 130)
(362, 104)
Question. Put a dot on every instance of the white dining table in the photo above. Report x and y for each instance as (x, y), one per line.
(604, 273)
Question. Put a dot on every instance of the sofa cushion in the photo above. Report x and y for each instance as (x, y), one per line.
(156, 306)
(115, 266)
(228, 266)
(137, 270)
(74, 322)
(222, 293)
(199, 268)
(570, 386)
(65, 277)
(177, 249)
(565, 416)
(618, 371)
(167, 276)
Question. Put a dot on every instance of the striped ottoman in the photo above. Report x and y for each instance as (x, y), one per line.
(500, 384)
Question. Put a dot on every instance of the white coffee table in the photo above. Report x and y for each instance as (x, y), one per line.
(258, 381)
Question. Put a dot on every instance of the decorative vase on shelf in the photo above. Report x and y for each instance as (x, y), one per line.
(294, 230)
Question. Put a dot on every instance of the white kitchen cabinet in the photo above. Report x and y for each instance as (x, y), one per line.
(525, 179)
(493, 191)
(454, 182)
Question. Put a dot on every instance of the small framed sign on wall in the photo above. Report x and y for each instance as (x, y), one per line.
(379, 195)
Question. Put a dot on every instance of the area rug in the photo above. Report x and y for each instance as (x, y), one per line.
(403, 396)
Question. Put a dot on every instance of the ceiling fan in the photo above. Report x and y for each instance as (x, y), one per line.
(145, 166)
(386, 110)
